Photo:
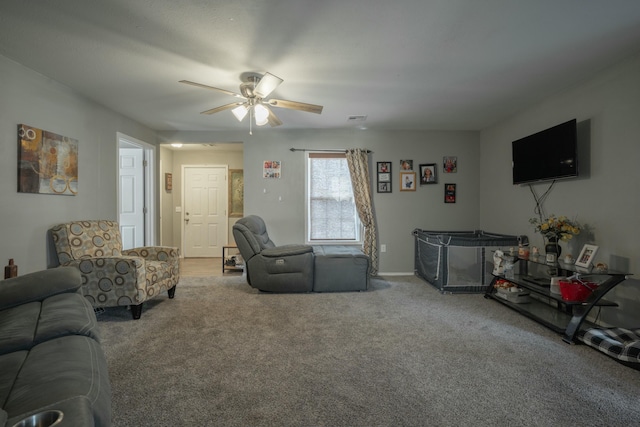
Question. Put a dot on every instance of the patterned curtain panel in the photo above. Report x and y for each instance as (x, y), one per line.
(358, 162)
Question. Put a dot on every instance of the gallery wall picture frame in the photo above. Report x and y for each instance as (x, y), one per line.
(271, 169)
(168, 181)
(587, 254)
(407, 181)
(383, 177)
(450, 193)
(406, 165)
(428, 174)
(450, 164)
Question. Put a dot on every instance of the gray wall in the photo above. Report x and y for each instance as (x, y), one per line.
(398, 214)
(606, 198)
(27, 97)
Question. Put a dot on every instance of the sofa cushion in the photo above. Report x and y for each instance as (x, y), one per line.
(27, 325)
(18, 326)
(60, 369)
(9, 367)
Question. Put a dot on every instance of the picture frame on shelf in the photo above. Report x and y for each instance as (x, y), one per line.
(407, 181)
(587, 254)
(428, 174)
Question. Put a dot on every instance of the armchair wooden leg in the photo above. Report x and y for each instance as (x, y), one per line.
(172, 291)
(136, 311)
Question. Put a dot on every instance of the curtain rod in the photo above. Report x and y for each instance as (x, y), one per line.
(328, 150)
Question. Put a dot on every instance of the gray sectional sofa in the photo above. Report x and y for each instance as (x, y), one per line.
(297, 267)
(51, 361)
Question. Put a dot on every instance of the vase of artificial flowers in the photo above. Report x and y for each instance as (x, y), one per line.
(555, 229)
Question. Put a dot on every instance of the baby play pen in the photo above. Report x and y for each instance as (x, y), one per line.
(459, 261)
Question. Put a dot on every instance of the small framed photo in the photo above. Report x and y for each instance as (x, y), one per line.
(384, 187)
(450, 193)
(407, 181)
(428, 174)
(384, 167)
(406, 165)
(168, 181)
(586, 256)
(450, 164)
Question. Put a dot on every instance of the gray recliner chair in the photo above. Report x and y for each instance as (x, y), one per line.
(272, 268)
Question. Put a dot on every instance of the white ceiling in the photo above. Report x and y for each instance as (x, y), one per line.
(406, 64)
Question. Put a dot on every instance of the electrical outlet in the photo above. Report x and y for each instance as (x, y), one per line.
(383, 248)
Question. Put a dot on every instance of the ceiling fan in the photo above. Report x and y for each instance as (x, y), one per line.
(254, 90)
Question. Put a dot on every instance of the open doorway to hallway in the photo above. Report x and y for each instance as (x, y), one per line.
(194, 239)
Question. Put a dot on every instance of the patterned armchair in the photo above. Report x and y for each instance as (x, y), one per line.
(112, 276)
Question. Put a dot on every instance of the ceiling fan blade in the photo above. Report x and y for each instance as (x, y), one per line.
(266, 85)
(294, 105)
(222, 108)
(228, 92)
(273, 119)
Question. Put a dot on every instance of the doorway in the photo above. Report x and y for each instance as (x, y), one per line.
(205, 218)
(136, 202)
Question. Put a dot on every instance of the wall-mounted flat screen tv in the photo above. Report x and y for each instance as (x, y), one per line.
(546, 155)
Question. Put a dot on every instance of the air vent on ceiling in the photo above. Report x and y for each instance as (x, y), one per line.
(357, 118)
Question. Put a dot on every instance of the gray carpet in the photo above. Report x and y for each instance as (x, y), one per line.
(401, 354)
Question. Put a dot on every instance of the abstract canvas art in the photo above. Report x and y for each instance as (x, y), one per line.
(47, 162)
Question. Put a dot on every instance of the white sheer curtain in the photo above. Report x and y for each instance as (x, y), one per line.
(358, 161)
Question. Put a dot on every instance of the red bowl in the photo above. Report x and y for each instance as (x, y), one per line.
(575, 291)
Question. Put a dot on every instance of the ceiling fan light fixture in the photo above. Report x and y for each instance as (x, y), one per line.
(267, 84)
(240, 111)
(262, 114)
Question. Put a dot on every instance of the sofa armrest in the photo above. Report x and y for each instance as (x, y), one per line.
(98, 272)
(38, 286)
(286, 250)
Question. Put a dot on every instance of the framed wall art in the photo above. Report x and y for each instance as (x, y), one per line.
(271, 169)
(428, 174)
(406, 165)
(407, 181)
(384, 177)
(168, 181)
(450, 193)
(47, 162)
(450, 164)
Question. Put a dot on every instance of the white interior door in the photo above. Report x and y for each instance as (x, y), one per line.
(205, 210)
(131, 193)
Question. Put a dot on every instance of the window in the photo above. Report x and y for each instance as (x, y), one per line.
(331, 211)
